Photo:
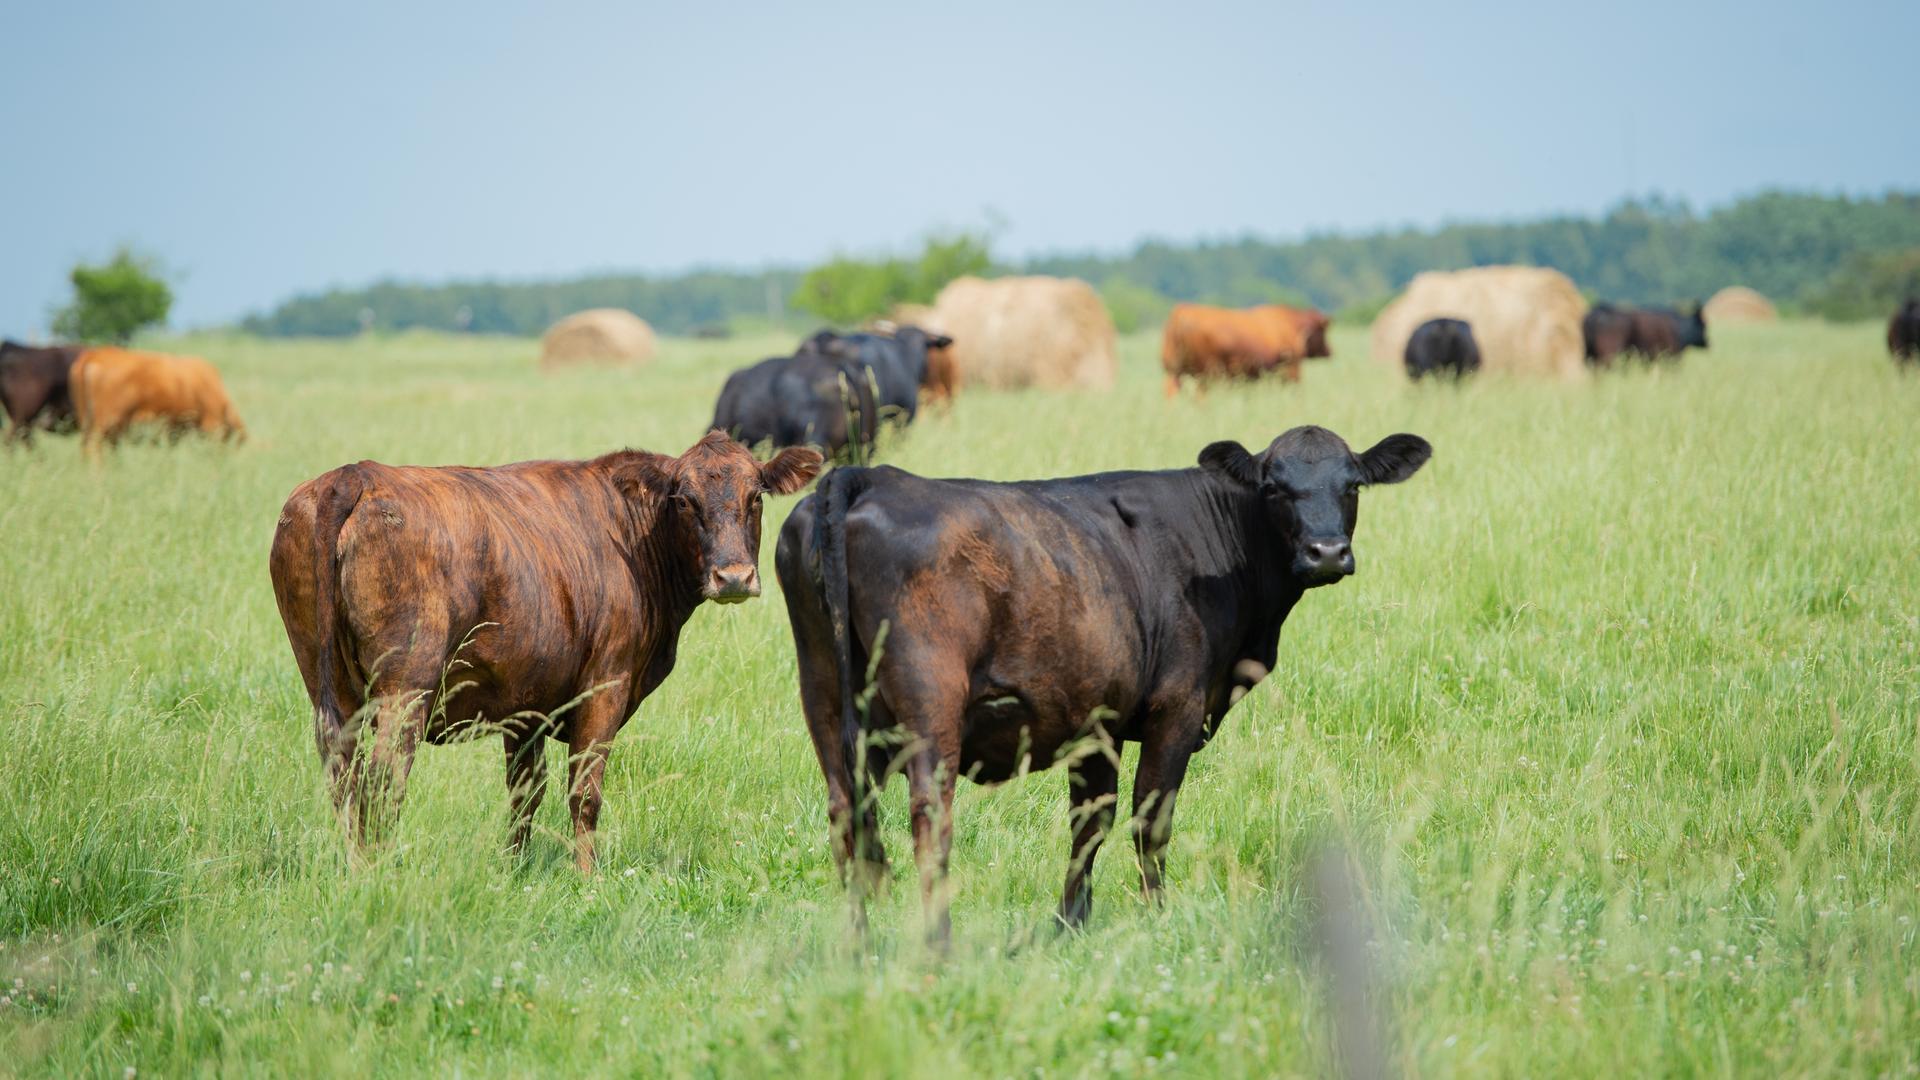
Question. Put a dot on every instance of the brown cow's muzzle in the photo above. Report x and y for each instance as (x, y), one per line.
(732, 584)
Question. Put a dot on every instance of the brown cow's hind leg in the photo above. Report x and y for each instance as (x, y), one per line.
(526, 778)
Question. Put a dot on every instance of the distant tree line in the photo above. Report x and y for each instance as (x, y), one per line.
(1836, 256)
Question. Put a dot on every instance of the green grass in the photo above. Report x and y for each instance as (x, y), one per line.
(1619, 715)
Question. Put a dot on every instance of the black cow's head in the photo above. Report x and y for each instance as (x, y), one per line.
(1309, 485)
(712, 508)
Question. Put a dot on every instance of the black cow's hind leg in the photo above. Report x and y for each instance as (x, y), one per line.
(1093, 786)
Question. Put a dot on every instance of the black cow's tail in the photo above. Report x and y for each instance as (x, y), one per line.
(336, 501)
(837, 491)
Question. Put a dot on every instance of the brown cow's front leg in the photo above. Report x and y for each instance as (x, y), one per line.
(1156, 787)
(1093, 786)
(526, 780)
(591, 740)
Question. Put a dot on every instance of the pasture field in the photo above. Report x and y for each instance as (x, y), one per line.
(1618, 718)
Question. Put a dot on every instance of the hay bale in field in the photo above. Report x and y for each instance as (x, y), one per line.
(1739, 304)
(1052, 333)
(1526, 319)
(597, 336)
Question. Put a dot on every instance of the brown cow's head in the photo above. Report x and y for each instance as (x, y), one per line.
(1309, 484)
(712, 508)
(1317, 336)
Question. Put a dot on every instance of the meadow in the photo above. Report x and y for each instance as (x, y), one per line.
(1618, 720)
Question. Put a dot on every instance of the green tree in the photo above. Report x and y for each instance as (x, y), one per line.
(1132, 305)
(112, 302)
(847, 291)
(1868, 286)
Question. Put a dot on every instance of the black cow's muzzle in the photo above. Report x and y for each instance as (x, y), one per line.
(1323, 562)
(732, 584)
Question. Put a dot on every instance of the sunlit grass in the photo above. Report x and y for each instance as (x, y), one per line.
(1620, 714)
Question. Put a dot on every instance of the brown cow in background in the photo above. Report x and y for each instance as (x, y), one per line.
(540, 600)
(1220, 343)
(115, 388)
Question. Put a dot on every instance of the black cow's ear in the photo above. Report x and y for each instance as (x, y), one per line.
(1395, 458)
(790, 470)
(1232, 459)
(939, 341)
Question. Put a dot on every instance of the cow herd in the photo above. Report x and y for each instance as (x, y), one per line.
(942, 628)
(104, 391)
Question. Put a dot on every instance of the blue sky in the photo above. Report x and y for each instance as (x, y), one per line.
(265, 149)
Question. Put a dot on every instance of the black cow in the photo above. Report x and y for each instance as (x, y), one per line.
(1020, 625)
(1653, 333)
(1903, 332)
(34, 387)
(808, 399)
(1442, 347)
(898, 362)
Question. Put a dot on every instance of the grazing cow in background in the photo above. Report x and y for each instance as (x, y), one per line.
(34, 387)
(543, 600)
(1442, 347)
(1214, 343)
(1653, 333)
(114, 388)
(1014, 626)
(1903, 332)
(812, 398)
(901, 362)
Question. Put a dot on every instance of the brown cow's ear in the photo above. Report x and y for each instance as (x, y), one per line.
(1395, 458)
(652, 473)
(1230, 458)
(790, 470)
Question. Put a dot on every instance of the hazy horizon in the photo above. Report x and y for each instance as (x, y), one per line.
(273, 153)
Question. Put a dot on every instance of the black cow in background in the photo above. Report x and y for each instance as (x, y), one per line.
(1442, 347)
(897, 361)
(34, 387)
(809, 399)
(1653, 333)
(1903, 332)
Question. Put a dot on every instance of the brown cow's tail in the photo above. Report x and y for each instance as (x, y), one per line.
(330, 512)
(837, 490)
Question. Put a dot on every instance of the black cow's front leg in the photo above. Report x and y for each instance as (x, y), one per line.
(1156, 787)
(1093, 787)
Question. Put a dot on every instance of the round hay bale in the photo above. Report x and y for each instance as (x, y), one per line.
(1052, 333)
(1739, 304)
(1526, 319)
(597, 336)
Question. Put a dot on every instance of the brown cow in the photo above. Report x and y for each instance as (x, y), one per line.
(115, 388)
(1215, 343)
(543, 599)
